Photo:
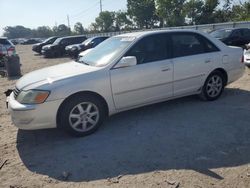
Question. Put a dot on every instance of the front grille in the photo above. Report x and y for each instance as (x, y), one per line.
(16, 92)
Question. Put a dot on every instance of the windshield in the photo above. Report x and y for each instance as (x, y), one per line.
(57, 41)
(220, 34)
(49, 40)
(86, 42)
(104, 53)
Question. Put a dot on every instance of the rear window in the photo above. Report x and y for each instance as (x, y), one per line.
(4, 42)
(224, 33)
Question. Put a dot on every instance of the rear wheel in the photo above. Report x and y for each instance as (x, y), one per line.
(82, 115)
(213, 86)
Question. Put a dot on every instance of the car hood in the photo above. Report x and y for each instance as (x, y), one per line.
(47, 46)
(54, 73)
(37, 44)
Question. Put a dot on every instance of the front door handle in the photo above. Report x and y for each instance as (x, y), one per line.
(208, 61)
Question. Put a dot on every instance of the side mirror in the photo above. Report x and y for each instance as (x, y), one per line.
(128, 61)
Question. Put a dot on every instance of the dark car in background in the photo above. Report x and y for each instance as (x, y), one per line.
(233, 36)
(57, 49)
(74, 50)
(38, 47)
(30, 41)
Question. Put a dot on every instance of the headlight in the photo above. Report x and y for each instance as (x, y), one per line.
(32, 96)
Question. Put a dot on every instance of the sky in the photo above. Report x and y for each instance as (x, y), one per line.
(34, 13)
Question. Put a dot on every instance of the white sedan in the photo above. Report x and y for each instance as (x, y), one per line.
(124, 72)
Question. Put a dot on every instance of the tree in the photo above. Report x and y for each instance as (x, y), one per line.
(142, 12)
(122, 21)
(193, 10)
(42, 31)
(241, 12)
(105, 21)
(61, 30)
(208, 12)
(171, 12)
(78, 28)
(17, 32)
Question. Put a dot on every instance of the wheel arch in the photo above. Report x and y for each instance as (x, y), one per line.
(82, 93)
(223, 72)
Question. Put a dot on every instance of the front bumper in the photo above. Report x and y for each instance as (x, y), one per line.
(31, 117)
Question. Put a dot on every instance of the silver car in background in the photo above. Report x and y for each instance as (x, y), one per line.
(122, 73)
(6, 47)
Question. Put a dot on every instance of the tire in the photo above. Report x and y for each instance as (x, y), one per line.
(81, 115)
(213, 87)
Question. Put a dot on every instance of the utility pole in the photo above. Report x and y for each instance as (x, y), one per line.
(100, 6)
(68, 21)
(68, 24)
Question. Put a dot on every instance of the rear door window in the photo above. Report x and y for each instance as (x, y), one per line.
(187, 44)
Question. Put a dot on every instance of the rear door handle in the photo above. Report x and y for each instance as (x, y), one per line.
(208, 61)
(165, 69)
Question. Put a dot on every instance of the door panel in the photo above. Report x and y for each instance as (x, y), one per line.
(141, 84)
(194, 57)
(190, 73)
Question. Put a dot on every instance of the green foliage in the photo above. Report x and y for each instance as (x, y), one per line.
(241, 12)
(78, 28)
(172, 12)
(43, 32)
(121, 21)
(193, 10)
(208, 12)
(142, 12)
(105, 21)
(17, 32)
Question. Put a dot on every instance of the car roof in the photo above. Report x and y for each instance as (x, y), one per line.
(145, 33)
(75, 36)
(230, 28)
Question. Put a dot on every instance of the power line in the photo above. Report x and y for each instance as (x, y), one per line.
(85, 10)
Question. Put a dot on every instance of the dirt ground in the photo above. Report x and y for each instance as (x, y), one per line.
(180, 143)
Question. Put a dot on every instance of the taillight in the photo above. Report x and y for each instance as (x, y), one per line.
(11, 49)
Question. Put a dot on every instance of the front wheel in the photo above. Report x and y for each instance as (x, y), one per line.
(82, 115)
(213, 86)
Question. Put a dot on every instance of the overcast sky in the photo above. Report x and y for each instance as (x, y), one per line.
(31, 13)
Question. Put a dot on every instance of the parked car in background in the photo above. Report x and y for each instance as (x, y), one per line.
(14, 41)
(124, 72)
(38, 47)
(247, 57)
(233, 37)
(74, 50)
(57, 49)
(6, 47)
(30, 41)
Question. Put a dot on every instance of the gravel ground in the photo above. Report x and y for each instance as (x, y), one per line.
(180, 143)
